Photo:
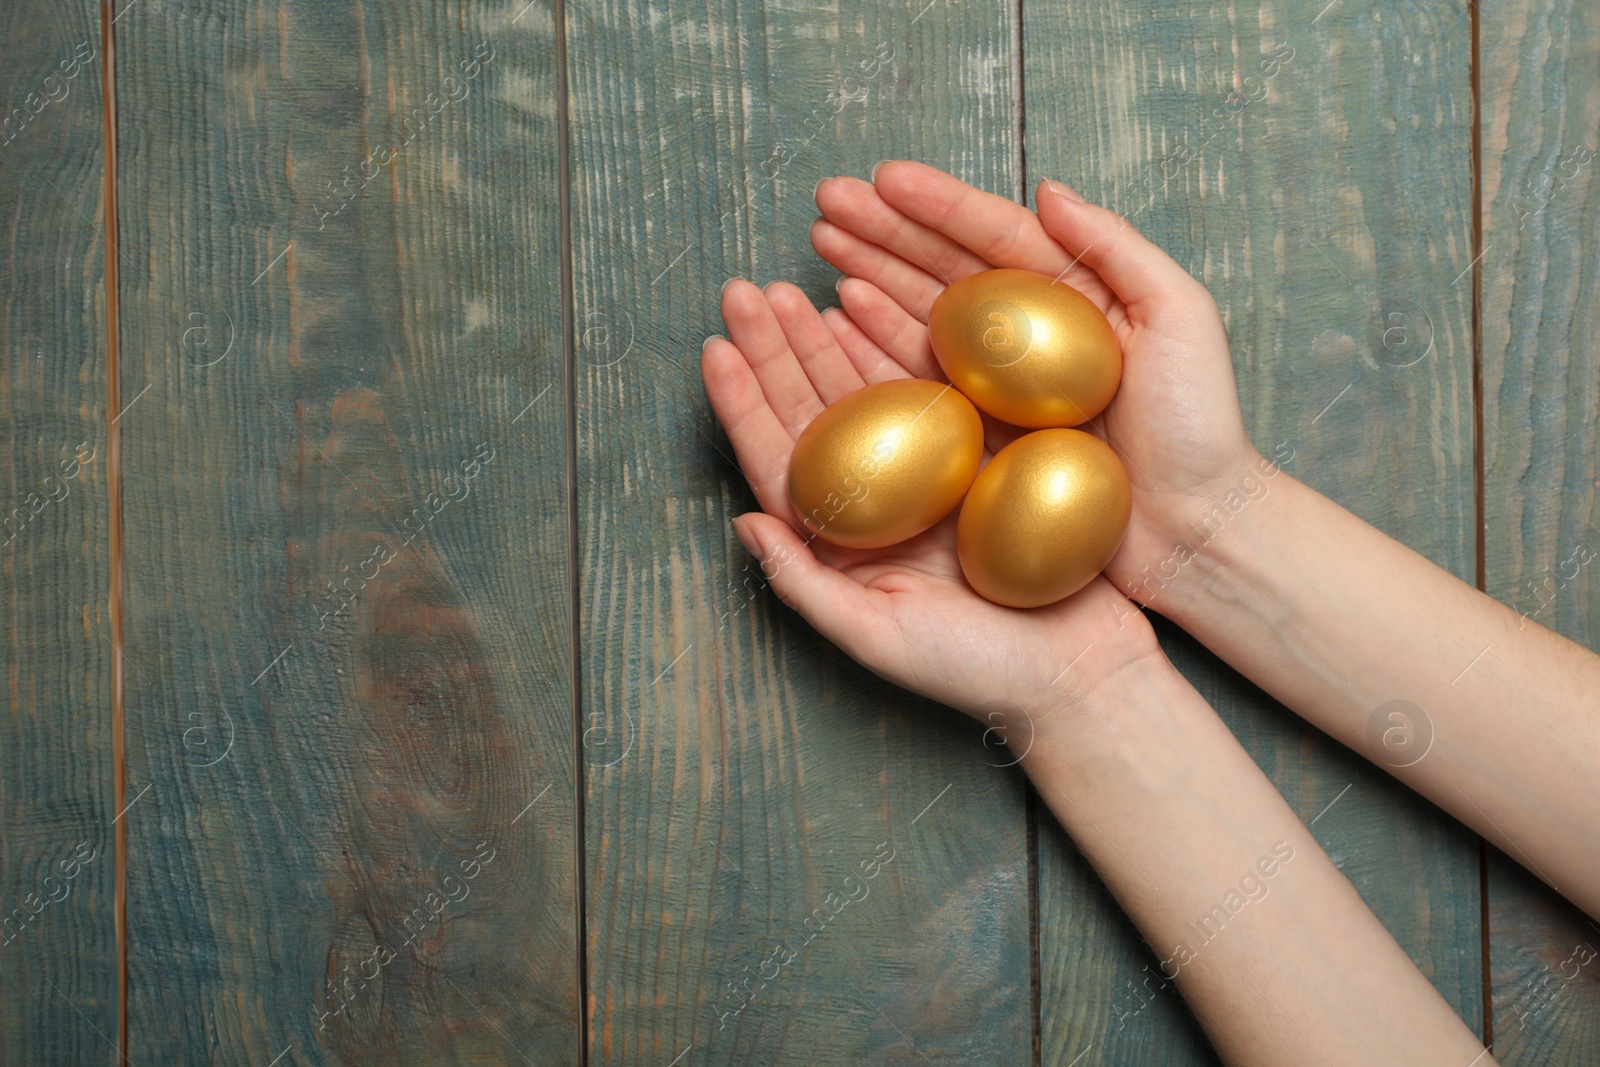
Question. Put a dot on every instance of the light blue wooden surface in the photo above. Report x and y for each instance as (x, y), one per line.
(335, 290)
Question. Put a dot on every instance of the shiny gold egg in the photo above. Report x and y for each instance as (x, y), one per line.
(1043, 518)
(1027, 349)
(885, 463)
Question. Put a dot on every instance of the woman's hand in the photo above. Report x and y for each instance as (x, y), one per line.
(904, 611)
(1175, 421)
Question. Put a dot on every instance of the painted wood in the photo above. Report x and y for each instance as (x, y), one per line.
(348, 693)
(1540, 276)
(738, 766)
(1326, 204)
(300, 376)
(58, 942)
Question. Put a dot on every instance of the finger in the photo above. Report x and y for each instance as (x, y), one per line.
(887, 324)
(995, 229)
(997, 434)
(1147, 280)
(755, 332)
(912, 288)
(839, 608)
(871, 362)
(761, 445)
(832, 374)
(855, 206)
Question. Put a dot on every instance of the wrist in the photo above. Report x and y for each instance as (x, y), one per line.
(1116, 721)
(1215, 538)
(1152, 759)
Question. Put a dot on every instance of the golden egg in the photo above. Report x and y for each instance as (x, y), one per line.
(1043, 518)
(885, 463)
(1028, 349)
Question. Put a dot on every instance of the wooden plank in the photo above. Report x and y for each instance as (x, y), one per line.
(1338, 197)
(58, 942)
(1540, 132)
(349, 630)
(739, 767)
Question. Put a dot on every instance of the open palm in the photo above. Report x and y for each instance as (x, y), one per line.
(1175, 421)
(904, 611)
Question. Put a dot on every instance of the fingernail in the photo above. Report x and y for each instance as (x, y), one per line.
(729, 282)
(876, 166)
(707, 342)
(741, 530)
(1062, 190)
(837, 282)
(817, 188)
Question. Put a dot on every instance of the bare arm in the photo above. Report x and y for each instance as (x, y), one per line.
(1491, 716)
(1268, 941)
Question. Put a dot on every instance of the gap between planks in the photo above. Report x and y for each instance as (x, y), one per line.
(119, 760)
(574, 583)
(1480, 535)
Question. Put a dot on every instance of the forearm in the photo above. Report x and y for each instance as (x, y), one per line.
(1338, 621)
(1270, 944)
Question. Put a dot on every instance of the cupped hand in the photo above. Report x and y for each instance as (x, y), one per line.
(1175, 420)
(905, 611)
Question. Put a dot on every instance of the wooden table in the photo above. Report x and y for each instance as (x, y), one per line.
(383, 682)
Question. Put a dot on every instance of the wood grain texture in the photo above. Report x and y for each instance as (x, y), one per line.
(348, 690)
(739, 767)
(1540, 79)
(1331, 206)
(58, 944)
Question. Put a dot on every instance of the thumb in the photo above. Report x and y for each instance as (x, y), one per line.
(1147, 280)
(836, 605)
